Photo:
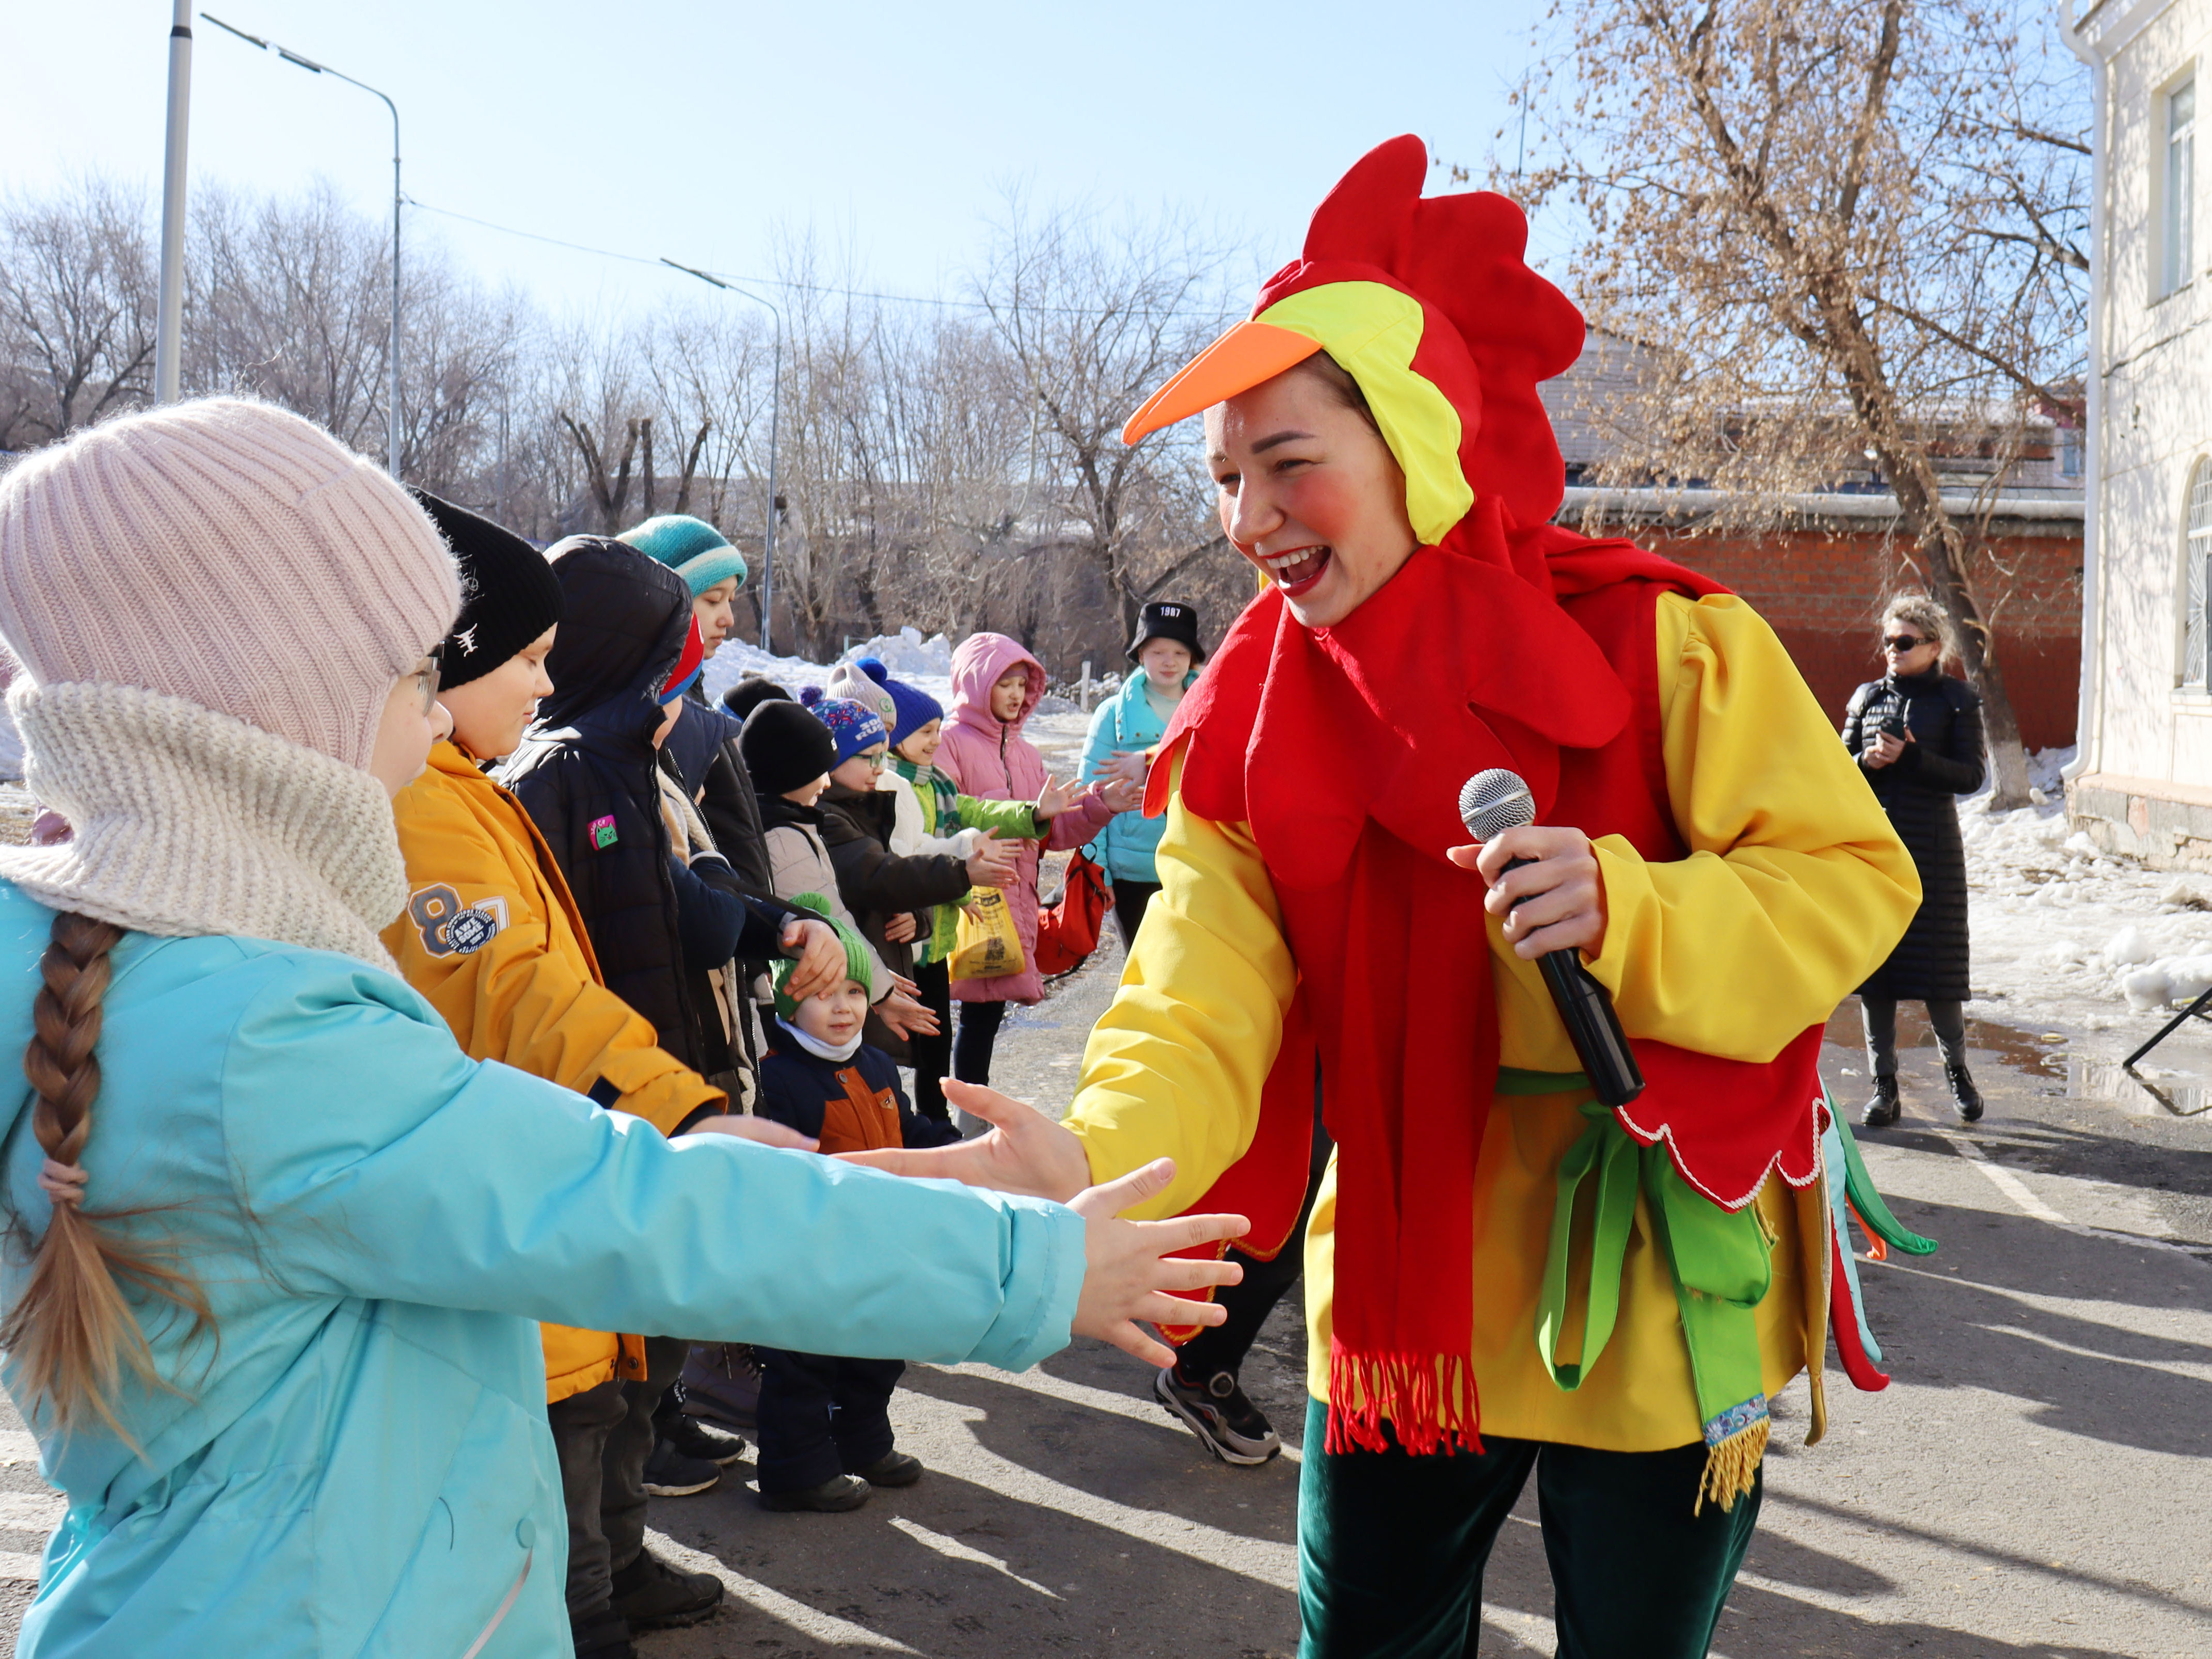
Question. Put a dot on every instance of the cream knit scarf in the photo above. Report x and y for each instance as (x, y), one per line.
(188, 822)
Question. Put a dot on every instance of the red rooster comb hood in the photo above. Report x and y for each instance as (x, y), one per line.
(1430, 306)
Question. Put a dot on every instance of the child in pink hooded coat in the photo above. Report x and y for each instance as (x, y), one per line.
(990, 759)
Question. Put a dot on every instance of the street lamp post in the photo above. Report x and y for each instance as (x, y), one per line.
(775, 419)
(391, 414)
(169, 317)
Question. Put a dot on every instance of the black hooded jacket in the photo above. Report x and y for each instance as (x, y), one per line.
(587, 774)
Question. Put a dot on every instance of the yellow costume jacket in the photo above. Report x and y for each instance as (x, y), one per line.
(1795, 888)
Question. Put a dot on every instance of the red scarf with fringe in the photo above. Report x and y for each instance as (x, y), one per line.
(1343, 750)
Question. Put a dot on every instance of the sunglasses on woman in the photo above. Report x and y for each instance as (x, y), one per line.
(1902, 643)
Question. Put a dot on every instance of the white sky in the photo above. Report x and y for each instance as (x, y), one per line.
(703, 131)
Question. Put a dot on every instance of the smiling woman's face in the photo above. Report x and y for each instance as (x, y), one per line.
(1310, 493)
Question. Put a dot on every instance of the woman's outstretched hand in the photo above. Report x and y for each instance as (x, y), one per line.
(1026, 1152)
(1127, 1271)
(1555, 902)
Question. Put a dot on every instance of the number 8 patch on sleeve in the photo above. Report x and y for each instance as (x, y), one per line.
(451, 928)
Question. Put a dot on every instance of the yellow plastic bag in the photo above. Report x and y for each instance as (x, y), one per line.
(988, 947)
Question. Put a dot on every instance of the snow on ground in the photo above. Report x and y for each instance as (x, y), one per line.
(2067, 935)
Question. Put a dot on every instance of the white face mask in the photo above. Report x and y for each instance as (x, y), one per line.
(837, 1055)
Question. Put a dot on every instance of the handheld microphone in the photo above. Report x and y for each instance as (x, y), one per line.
(1490, 803)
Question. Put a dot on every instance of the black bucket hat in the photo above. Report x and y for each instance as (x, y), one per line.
(1167, 619)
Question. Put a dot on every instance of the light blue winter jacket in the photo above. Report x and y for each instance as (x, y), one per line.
(1126, 720)
(361, 1464)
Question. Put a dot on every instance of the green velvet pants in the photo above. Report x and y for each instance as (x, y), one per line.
(1392, 1547)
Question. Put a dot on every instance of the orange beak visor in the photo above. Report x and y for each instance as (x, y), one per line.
(1247, 355)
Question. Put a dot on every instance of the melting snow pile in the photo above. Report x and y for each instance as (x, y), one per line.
(2062, 930)
(925, 663)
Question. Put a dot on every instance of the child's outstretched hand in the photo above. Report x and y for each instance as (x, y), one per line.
(905, 1016)
(1127, 1271)
(1056, 798)
(1120, 795)
(992, 863)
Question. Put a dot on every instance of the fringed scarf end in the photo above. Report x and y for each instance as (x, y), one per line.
(1427, 1399)
(1736, 1442)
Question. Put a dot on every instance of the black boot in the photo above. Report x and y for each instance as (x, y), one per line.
(1964, 1096)
(1882, 1111)
(651, 1594)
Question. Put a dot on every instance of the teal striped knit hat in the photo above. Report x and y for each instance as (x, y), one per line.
(692, 547)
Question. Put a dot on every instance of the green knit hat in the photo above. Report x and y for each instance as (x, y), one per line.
(858, 964)
(692, 547)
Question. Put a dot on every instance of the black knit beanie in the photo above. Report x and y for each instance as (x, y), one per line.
(785, 747)
(509, 594)
(750, 693)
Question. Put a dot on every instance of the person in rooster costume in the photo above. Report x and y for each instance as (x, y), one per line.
(1502, 1276)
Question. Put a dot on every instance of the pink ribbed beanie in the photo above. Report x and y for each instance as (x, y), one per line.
(229, 553)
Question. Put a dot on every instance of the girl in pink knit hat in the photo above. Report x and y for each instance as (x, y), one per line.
(281, 1246)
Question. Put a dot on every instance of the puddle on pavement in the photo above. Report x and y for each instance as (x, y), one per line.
(2025, 1052)
(2142, 1094)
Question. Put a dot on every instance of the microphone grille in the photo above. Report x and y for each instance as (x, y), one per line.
(1492, 802)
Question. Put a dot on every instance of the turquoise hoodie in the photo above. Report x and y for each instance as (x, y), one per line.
(360, 1464)
(1126, 720)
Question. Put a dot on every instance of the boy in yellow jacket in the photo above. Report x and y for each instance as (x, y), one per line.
(491, 937)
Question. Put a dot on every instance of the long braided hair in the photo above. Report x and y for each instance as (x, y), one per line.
(73, 1330)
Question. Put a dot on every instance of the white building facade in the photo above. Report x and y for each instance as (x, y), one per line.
(2142, 781)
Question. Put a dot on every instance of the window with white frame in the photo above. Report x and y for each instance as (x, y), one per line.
(2175, 218)
(2197, 578)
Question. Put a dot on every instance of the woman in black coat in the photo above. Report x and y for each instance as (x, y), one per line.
(1917, 733)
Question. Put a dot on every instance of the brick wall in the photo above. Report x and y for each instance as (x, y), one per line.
(1823, 593)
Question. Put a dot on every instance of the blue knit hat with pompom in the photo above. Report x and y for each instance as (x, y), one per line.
(916, 708)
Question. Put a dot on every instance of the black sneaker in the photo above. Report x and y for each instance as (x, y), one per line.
(670, 1474)
(839, 1493)
(650, 1595)
(1964, 1096)
(1882, 1111)
(702, 1441)
(1233, 1428)
(893, 1468)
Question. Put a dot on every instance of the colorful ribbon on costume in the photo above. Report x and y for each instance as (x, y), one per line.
(1720, 1264)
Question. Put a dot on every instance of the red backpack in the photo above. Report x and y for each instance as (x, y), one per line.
(1068, 932)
